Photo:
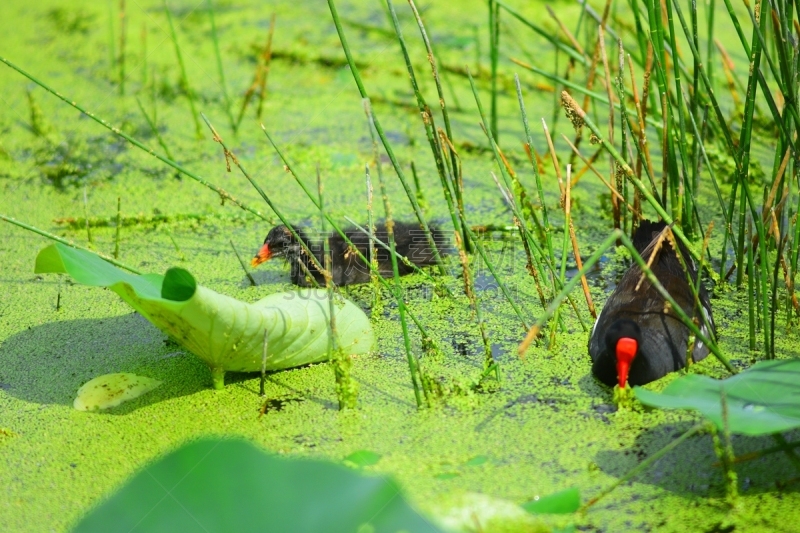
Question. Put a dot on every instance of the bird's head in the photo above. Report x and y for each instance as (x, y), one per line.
(278, 242)
(623, 340)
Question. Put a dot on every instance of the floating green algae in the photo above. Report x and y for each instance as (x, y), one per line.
(550, 427)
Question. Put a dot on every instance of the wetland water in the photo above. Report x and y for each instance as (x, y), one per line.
(550, 426)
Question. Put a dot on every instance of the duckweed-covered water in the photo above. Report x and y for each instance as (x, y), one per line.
(547, 426)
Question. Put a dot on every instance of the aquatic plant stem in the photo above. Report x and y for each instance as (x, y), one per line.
(379, 130)
(56, 238)
(154, 128)
(123, 23)
(346, 387)
(655, 204)
(118, 227)
(220, 69)
(229, 156)
(224, 195)
(184, 77)
(244, 267)
(263, 360)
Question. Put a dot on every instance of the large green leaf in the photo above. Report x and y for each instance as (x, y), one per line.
(761, 400)
(231, 486)
(224, 332)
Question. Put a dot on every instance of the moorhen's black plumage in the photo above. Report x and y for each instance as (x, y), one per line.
(637, 337)
(347, 268)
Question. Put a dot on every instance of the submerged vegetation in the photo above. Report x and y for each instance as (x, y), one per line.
(480, 382)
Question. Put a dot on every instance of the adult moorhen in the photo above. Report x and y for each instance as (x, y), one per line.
(637, 337)
(347, 268)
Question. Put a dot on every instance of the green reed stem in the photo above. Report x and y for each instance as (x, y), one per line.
(260, 191)
(184, 77)
(154, 128)
(644, 465)
(56, 238)
(220, 69)
(118, 227)
(397, 168)
(224, 195)
(242, 263)
(123, 23)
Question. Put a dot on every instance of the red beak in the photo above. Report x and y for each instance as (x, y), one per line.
(626, 351)
(263, 254)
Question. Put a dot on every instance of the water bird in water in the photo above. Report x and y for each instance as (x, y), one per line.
(638, 338)
(347, 268)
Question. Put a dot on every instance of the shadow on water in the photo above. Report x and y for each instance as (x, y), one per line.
(47, 364)
(690, 470)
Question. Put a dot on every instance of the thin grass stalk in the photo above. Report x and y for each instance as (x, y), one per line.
(614, 178)
(458, 184)
(69, 243)
(683, 317)
(681, 186)
(154, 128)
(427, 119)
(533, 266)
(346, 388)
(489, 363)
(397, 168)
(220, 69)
(504, 171)
(184, 77)
(575, 249)
(224, 195)
(264, 350)
(573, 54)
(644, 465)
(244, 267)
(413, 363)
(258, 74)
(144, 55)
(373, 258)
(117, 227)
(86, 216)
(595, 96)
(262, 88)
(589, 164)
(123, 24)
(494, 56)
(232, 157)
(539, 189)
(629, 172)
(565, 203)
(112, 55)
(338, 229)
(373, 240)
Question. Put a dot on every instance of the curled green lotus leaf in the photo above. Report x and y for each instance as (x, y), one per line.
(226, 333)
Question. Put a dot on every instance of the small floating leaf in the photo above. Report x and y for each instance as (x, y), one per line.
(763, 399)
(477, 460)
(110, 390)
(563, 502)
(363, 458)
(447, 475)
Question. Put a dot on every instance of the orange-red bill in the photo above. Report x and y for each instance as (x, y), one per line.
(626, 351)
(263, 255)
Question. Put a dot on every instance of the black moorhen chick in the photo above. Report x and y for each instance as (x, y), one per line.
(347, 268)
(637, 338)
